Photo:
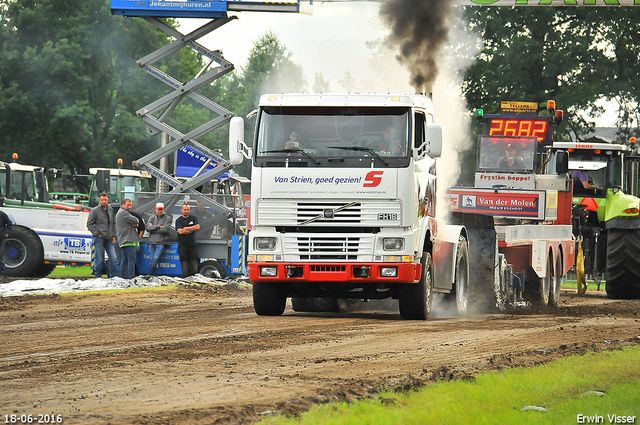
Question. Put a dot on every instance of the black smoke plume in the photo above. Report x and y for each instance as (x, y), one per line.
(419, 28)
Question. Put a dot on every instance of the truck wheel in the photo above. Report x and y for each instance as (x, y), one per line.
(537, 290)
(416, 299)
(554, 295)
(623, 263)
(268, 299)
(326, 305)
(462, 276)
(212, 269)
(23, 252)
(44, 270)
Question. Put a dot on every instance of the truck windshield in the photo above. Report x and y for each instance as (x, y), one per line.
(333, 136)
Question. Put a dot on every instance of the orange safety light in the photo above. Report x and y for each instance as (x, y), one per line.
(119, 162)
(590, 204)
(570, 149)
(551, 104)
(632, 140)
(597, 151)
(15, 156)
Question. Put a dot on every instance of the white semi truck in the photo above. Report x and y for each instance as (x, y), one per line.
(343, 212)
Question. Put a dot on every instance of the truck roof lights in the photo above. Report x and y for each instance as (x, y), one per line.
(632, 141)
(551, 105)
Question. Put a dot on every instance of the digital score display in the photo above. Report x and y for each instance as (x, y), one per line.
(539, 127)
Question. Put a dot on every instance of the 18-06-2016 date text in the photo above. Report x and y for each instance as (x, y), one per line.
(41, 418)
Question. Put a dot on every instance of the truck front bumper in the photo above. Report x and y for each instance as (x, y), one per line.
(335, 272)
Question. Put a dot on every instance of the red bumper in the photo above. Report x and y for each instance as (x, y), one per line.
(336, 272)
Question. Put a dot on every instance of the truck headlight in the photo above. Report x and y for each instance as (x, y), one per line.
(393, 244)
(264, 244)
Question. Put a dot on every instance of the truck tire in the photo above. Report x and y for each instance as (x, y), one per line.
(212, 269)
(462, 277)
(416, 299)
(44, 270)
(317, 305)
(537, 290)
(623, 263)
(23, 252)
(554, 295)
(268, 299)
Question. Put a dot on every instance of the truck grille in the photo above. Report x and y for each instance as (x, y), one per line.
(363, 213)
(329, 247)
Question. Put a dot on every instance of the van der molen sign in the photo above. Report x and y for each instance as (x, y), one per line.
(548, 2)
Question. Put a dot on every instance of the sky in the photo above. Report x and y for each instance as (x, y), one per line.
(332, 41)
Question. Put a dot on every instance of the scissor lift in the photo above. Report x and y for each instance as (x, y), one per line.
(156, 113)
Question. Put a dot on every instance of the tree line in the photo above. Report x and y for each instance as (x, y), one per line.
(70, 86)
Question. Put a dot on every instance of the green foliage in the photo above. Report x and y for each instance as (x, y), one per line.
(69, 83)
(571, 55)
(561, 387)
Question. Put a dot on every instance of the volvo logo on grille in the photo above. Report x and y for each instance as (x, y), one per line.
(328, 213)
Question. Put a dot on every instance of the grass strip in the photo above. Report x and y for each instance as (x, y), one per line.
(562, 388)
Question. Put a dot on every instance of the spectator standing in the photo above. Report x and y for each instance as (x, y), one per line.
(128, 238)
(102, 225)
(5, 228)
(187, 225)
(158, 227)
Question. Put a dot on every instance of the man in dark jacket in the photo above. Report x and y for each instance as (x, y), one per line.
(128, 238)
(158, 227)
(102, 225)
(5, 228)
(187, 225)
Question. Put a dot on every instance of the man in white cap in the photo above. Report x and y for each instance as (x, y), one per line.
(158, 227)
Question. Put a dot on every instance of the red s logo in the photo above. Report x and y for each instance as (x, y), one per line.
(373, 178)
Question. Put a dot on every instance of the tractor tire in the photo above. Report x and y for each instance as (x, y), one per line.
(212, 269)
(316, 305)
(554, 295)
(623, 263)
(268, 299)
(23, 252)
(416, 299)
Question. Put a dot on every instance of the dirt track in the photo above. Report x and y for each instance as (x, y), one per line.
(203, 356)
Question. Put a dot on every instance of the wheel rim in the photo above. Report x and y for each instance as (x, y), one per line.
(15, 253)
(210, 272)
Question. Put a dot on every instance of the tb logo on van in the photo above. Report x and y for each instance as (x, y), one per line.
(373, 179)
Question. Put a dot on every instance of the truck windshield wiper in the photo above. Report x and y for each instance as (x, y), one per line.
(360, 149)
(292, 150)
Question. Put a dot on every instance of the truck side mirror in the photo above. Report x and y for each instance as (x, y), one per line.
(434, 140)
(562, 162)
(236, 140)
(103, 181)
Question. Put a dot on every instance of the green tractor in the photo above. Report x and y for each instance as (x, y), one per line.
(605, 214)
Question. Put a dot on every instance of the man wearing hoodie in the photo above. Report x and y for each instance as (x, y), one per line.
(128, 238)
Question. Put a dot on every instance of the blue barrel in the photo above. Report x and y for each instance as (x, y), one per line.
(169, 264)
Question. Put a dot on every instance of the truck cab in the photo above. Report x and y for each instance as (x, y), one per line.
(343, 201)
